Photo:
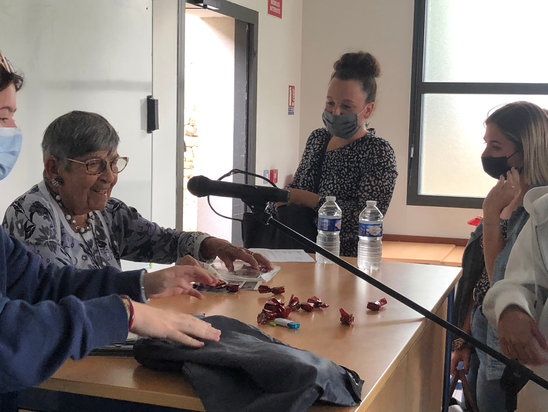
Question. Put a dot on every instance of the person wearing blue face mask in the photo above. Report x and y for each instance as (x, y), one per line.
(516, 154)
(50, 314)
(346, 159)
(10, 135)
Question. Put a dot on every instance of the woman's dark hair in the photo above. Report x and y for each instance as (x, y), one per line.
(362, 67)
(8, 75)
(77, 134)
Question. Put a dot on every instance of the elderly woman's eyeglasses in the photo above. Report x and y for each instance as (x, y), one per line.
(97, 166)
(6, 64)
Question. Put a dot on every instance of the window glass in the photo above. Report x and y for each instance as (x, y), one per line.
(452, 142)
(496, 41)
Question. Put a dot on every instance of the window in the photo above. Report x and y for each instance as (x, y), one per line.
(469, 57)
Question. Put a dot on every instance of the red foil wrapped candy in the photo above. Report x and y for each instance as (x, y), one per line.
(346, 318)
(376, 306)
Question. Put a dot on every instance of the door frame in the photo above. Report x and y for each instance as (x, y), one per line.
(245, 97)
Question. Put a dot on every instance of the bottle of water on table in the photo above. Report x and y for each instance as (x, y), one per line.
(370, 238)
(329, 228)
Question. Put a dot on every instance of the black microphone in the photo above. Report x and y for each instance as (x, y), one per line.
(202, 186)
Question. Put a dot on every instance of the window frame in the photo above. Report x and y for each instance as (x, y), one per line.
(419, 88)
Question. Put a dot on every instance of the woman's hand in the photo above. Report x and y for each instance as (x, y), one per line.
(178, 327)
(462, 354)
(303, 197)
(504, 197)
(520, 337)
(228, 253)
(176, 280)
(188, 260)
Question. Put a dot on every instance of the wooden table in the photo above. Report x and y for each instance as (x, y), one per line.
(396, 351)
(417, 252)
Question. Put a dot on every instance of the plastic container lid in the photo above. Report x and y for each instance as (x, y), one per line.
(370, 203)
(331, 198)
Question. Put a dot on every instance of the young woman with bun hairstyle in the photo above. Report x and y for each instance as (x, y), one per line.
(346, 158)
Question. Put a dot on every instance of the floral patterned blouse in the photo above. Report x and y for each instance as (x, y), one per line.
(360, 171)
(117, 232)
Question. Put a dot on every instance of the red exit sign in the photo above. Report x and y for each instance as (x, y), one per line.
(275, 8)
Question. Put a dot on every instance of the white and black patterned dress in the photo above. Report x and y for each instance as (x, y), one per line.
(362, 170)
(119, 232)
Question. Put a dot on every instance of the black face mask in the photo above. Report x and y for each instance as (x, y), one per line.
(496, 166)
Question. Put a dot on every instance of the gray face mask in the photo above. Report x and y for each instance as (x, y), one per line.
(344, 125)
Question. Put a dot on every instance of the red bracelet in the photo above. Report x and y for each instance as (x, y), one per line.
(130, 310)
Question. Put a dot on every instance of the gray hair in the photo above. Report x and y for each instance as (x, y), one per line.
(77, 134)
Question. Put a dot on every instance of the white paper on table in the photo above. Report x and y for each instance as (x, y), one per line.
(284, 255)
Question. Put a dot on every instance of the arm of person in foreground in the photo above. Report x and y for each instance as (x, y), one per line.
(43, 322)
(511, 304)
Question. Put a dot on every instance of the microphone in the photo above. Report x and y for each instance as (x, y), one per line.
(202, 186)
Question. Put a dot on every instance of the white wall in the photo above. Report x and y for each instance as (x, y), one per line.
(279, 65)
(94, 57)
(164, 83)
(384, 28)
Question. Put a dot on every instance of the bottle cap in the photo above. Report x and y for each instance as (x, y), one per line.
(370, 203)
(330, 198)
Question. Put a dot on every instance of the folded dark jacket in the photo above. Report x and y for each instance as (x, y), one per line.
(248, 370)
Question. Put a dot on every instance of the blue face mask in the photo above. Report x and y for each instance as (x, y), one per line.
(11, 139)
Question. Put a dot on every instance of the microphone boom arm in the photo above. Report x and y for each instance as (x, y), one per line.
(518, 372)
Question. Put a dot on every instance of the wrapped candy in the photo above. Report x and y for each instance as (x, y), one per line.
(317, 302)
(221, 284)
(277, 290)
(265, 317)
(376, 306)
(308, 307)
(346, 318)
(233, 287)
(273, 308)
(294, 303)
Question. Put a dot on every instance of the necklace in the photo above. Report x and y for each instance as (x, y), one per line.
(77, 228)
(96, 258)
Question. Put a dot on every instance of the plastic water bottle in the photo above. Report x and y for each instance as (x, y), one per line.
(329, 228)
(370, 238)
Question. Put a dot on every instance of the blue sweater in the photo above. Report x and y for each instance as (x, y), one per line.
(50, 314)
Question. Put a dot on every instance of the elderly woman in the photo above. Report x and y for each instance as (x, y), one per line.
(69, 217)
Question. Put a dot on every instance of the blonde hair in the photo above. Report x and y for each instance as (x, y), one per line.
(526, 125)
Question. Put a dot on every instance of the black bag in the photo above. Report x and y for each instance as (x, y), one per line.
(297, 217)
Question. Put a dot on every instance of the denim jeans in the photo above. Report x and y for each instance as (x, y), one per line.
(489, 394)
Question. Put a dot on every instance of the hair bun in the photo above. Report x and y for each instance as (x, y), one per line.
(362, 62)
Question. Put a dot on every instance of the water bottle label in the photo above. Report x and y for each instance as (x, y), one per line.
(329, 225)
(370, 230)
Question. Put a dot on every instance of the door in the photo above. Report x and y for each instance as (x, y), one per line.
(219, 108)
